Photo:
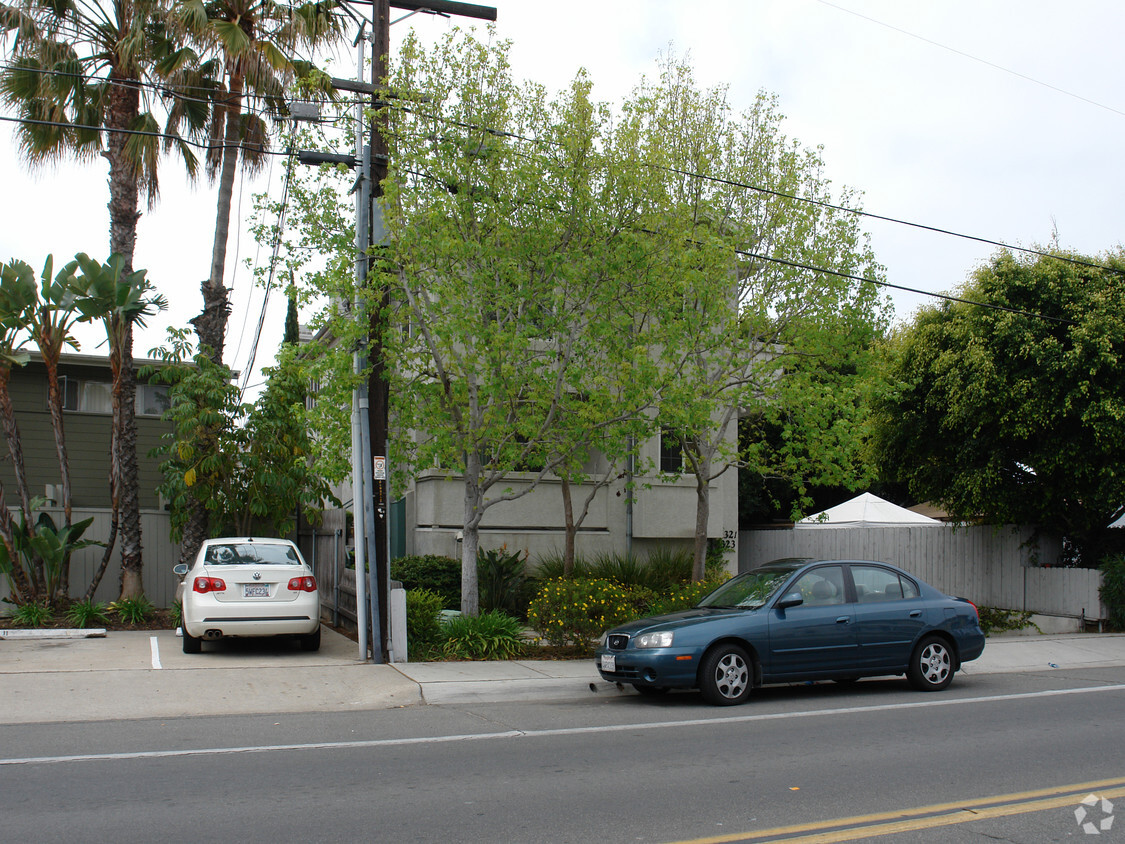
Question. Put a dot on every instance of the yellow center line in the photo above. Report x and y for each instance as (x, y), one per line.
(926, 817)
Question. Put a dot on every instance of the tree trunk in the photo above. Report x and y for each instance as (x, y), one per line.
(195, 531)
(15, 444)
(571, 529)
(61, 586)
(124, 106)
(128, 477)
(211, 324)
(702, 516)
(470, 543)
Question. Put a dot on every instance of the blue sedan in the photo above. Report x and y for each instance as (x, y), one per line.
(795, 620)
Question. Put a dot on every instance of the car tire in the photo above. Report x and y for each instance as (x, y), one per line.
(650, 691)
(311, 642)
(191, 644)
(726, 676)
(931, 665)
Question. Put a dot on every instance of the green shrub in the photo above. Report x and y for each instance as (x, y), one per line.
(441, 575)
(88, 613)
(578, 611)
(669, 567)
(31, 615)
(550, 567)
(133, 610)
(502, 581)
(624, 569)
(681, 597)
(177, 614)
(1113, 590)
(993, 620)
(491, 635)
(423, 624)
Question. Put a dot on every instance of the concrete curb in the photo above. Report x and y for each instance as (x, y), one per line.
(82, 633)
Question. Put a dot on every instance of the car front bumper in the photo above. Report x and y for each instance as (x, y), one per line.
(666, 667)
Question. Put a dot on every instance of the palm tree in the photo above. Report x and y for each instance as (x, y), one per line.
(82, 76)
(120, 301)
(17, 295)
(257, 42)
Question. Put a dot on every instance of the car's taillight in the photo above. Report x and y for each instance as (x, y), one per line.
(209, 584)
(974, 606)
(302, 584)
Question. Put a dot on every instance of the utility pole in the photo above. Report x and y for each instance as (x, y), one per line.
(378, 394)
(370, 401)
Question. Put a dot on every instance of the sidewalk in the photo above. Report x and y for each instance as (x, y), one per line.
(146, 675)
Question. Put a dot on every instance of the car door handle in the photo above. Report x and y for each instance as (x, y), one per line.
(915, 613)
(844, 619)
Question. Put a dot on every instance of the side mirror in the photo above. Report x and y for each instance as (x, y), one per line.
(793, 599)
(180, 569)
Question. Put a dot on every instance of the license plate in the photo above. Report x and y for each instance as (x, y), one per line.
(609, 663)
(256, 590)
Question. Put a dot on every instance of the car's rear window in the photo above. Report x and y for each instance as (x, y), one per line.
(240, 553)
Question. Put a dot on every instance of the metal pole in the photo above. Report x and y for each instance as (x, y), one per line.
(359, 518)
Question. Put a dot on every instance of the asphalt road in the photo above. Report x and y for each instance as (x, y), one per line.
(833, 762)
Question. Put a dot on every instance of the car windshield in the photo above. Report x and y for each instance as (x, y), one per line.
(748, 591)
(254, 553)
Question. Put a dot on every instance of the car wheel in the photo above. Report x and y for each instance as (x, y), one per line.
(726, 676)
(311, 642)
(650, 691)
(192, 645)
(931, 666)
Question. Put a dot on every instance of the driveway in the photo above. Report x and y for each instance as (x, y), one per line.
(147, 675)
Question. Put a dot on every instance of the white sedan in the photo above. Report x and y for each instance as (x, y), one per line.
(248, 587)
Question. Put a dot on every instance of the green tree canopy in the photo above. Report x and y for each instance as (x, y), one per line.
(1012, 411)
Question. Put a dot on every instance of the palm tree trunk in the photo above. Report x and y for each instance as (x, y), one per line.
(124, 106)
(61, 583)
(128, 475)
(211, 324)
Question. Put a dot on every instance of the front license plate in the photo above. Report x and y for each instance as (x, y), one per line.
(609, 663)
(256, 590)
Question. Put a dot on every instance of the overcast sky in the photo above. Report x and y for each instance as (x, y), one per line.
(1000, 119)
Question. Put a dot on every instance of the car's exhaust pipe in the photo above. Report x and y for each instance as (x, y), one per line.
(212, 635)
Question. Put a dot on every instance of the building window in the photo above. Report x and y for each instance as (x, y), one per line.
(95, 397)
(152, 400)
(88, 396)
(671, 452)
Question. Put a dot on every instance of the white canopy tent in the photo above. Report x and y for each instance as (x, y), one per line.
(866, 510)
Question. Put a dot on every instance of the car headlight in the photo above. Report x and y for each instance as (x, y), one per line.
(657, 639)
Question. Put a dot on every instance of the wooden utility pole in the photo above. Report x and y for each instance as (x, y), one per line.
(378, 394)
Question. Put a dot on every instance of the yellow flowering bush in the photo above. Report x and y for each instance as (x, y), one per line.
(578, 611)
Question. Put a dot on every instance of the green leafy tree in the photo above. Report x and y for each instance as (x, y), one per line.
(249, 466)
(1012, 411)
(752, 304)
(518, 256)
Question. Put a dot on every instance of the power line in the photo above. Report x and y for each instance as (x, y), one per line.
(971, 57)
(864, 279)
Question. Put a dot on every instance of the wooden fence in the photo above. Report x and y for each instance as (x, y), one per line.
(1008, 568)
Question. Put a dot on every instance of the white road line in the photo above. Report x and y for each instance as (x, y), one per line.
(564, 731)
(155, 648)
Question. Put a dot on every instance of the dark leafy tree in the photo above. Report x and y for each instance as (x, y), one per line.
(1013, 411)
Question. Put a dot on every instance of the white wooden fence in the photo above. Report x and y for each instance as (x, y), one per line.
(1007, 567)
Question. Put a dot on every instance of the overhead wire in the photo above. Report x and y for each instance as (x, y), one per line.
(676, 171)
